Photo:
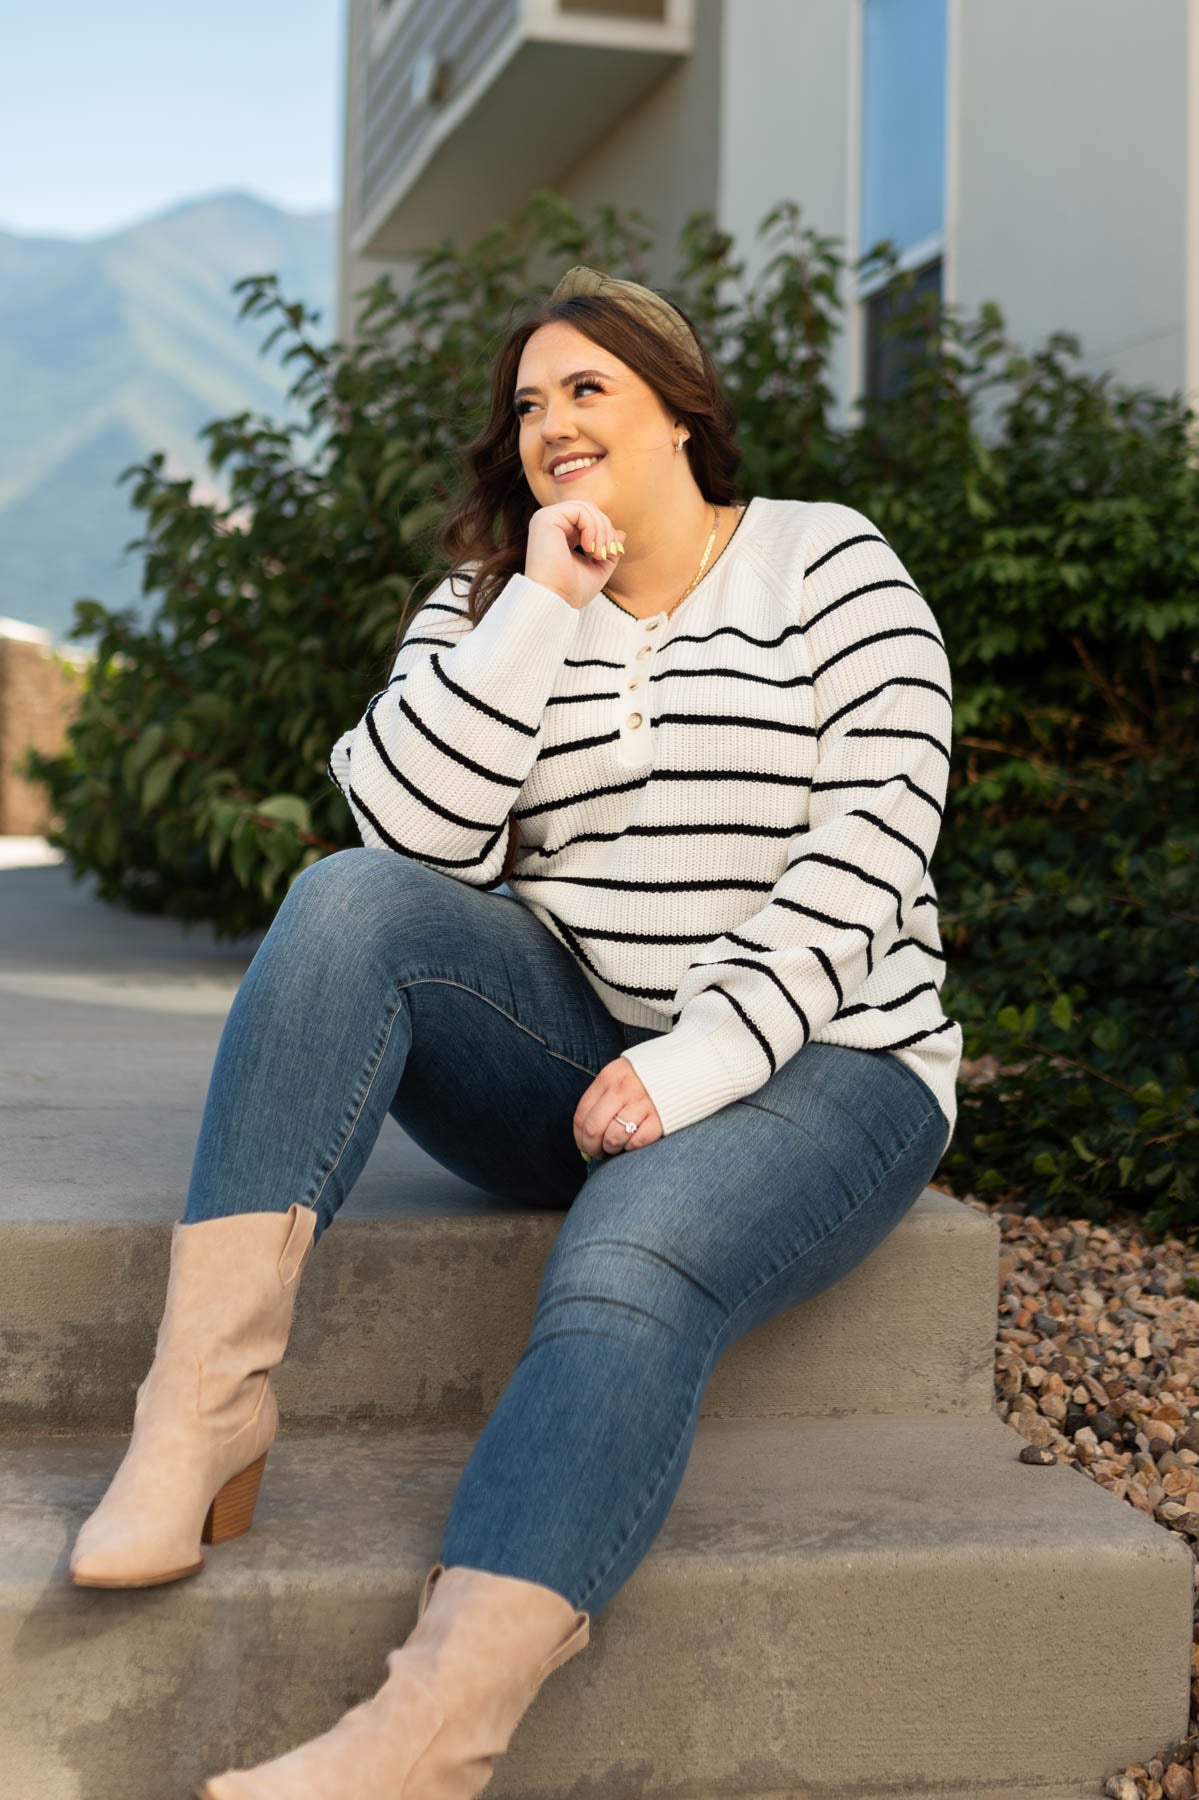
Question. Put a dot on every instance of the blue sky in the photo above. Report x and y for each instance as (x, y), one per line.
(109, 113)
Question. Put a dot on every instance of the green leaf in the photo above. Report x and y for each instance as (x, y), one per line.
(211, 709)
(244, 856)
(1062, 1013)
(288, 809)
(278, 847)
(157, 780)
(142, 751)
(131, 767)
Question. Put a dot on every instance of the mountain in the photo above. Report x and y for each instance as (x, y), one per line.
(121, 345)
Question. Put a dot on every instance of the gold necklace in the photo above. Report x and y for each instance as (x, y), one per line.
(698, 573)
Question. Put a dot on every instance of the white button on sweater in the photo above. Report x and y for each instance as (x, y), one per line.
(743, 861)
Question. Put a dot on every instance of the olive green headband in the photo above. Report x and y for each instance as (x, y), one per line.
(658, 314)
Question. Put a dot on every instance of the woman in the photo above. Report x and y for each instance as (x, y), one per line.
(709, 744)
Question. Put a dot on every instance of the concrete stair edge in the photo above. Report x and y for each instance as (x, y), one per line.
(381, 1340)
(915, 1570)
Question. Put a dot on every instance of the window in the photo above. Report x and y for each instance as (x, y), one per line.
(904, 57)
(889, 347)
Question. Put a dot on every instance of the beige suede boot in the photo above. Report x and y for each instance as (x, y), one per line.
(454, 1694)
(205, 1415)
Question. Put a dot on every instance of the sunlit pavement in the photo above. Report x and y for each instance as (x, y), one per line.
(27, 853)
(109, 1023)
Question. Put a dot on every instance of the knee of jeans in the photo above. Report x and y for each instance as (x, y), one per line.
(348, 881)
(628, 1281)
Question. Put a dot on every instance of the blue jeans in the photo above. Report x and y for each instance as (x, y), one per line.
(384, 986)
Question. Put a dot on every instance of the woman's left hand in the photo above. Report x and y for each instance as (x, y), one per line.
(616, 1089)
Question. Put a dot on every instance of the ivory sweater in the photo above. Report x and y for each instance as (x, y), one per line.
(727, 814)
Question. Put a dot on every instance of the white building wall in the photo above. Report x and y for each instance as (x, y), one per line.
(663, 158)
(1071, 171)
(788, 131)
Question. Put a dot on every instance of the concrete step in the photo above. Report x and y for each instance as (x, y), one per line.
(419, 1321)
(834, 1607)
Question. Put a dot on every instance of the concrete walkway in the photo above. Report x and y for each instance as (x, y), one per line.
(109, 1022)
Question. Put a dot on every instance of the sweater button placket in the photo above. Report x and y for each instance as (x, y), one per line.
(635, 720)
(645, 650)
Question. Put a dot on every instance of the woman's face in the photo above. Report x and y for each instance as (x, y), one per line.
(583, 401)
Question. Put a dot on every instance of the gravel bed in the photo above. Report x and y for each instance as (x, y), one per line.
(1097, 1363)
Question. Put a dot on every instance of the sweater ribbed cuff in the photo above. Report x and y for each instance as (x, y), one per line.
(685, 1075)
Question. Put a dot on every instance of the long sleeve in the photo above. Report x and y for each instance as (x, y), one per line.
(754, 996)
(433, 768)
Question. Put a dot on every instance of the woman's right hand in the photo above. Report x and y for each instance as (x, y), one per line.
(568, 549)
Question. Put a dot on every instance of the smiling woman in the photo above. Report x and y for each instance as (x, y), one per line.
(652, 412)
(715, 969)
(630, 477)
(795, 669)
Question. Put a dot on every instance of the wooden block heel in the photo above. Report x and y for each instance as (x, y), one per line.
(232, 1509)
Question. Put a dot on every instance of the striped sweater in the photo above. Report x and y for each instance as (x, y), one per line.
(727, 813)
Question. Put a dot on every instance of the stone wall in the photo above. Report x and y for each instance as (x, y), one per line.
(38, 699)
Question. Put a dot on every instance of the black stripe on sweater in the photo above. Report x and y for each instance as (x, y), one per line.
(886, 731)
(839, 862)
(922, 987)
(915, 1036)
(878, 781)
(465, 762)
(426, 800)
(428, 860)
(863, 537)
(764, 969)
(481, 706)
(912, 681)
(878, 637)
(737, 1007)
(867, 587)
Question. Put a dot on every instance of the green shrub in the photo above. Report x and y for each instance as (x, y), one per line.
(1058, 548)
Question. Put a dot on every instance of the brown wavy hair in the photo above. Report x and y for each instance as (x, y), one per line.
(489, 525)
